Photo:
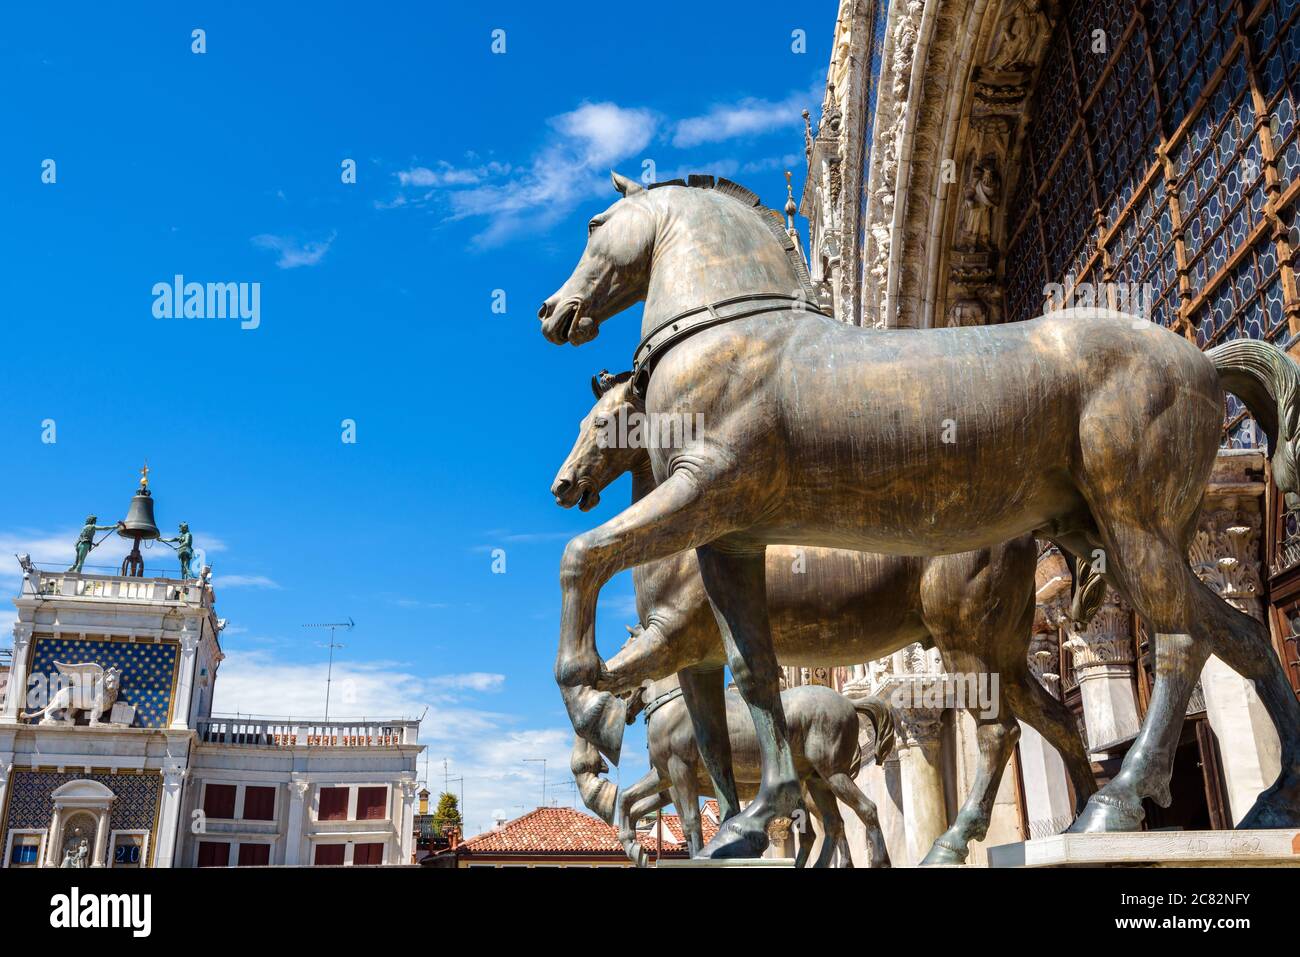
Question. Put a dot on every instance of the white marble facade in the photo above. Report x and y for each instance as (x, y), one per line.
(132, 791)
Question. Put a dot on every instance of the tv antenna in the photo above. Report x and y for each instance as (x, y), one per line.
(329, 675)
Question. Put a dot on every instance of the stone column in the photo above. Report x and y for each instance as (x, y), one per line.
(191, 633)
(1047, 793)
(100, 856)
(925, 815)
(1104, 663)
(1225, 555)
(406, 836)
(16, 693)
(54, 839)
(6, 770)
(169, 815)
(298, 789)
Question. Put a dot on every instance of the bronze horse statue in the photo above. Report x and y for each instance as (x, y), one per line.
(1088, 427)
(828, 607)
(824, 727)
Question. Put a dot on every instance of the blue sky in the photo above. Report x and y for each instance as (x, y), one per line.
(475, 172)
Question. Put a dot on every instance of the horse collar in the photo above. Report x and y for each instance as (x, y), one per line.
(685, 324)
(660, 701)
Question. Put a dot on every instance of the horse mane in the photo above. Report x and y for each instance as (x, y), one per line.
(769, 217)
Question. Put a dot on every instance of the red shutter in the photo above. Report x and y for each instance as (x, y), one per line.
(219, 801)
(368, 854)
(333, 804)
(214, 853)
(254, 855)
(372, 804)
(330, 853)
(259, 804)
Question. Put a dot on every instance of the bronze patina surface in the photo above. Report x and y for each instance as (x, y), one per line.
(829, 607)
(824, 727)
(1092, 428)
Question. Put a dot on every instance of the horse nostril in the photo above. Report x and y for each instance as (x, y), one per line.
(560, 487)
(545, 310)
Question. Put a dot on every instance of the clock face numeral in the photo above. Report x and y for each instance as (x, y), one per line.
(126, 855)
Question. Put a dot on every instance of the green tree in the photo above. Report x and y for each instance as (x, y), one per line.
(447, 815)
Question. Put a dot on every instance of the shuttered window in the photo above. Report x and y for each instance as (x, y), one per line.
(333, 804)
(219, 800)
(372, 804)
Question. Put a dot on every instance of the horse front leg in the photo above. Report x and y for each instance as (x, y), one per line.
(672, 518)
(737, 589)
(705, 695)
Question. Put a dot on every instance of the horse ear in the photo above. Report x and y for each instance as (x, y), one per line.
(624, 185)
(596, 390)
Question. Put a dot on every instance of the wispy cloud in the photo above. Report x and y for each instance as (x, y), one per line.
(568, 167)
(293, 253)
(244, 581)
(749, 116)
(56, 549)
(484, 745)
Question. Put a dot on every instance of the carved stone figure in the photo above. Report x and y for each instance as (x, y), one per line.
(828, 607)
(77, 856)
(908, 442)
(983, 195)
(90, 689)
(86, 540)
(824, 723)
(1023, 27)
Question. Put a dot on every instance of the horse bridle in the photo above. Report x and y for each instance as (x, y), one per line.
(659, 702)
(669, 333)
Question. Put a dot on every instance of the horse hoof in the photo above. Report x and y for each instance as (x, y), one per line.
(941, 856)
(1105, 815)
(739, 836)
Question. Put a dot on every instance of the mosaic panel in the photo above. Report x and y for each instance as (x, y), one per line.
(30, 804)
(148, 670)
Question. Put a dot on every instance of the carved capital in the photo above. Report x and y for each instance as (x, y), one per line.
(919, 727)
(298, 788)
(174, 776)
(1107, 640)
(1225, 554)
(22, 636)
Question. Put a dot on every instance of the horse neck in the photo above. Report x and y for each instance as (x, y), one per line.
(709, 247)
(643, 479)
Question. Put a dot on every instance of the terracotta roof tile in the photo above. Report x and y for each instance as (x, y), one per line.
(562, 830)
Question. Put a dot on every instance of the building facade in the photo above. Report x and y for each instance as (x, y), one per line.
(140, 773)
(985, 161)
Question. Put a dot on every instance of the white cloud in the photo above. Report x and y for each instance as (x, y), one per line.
(570, 166)
(243, 581)
(748, 117)
(485, 746)
(56, 550)
(293, 253)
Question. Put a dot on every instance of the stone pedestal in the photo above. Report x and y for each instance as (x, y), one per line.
(1104, 663)
(1279, 848)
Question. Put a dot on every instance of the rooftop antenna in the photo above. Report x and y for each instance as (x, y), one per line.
(329, 675)
(541, 761)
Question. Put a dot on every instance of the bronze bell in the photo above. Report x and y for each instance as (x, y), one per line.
(139, 522)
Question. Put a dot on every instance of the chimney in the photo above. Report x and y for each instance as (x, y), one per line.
(424, 800)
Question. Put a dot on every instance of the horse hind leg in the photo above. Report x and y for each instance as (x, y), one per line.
(832, 825)
(1036, 707)
(1155, 577)
(736, 586)
(843, 787)
(1243, 644)
(996, 735)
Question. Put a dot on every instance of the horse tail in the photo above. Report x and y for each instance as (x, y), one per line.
(599, 794)
(1089, 591)
(1267, 380)
(878, 712)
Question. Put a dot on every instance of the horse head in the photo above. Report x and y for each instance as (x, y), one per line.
(598, 456)
(612, 274)
(706, 239)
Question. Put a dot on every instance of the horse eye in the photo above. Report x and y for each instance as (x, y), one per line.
(592, 226)
(601, 423)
